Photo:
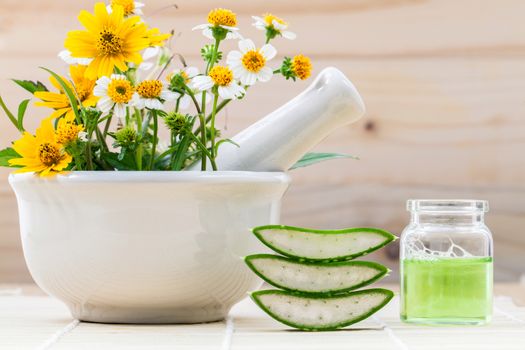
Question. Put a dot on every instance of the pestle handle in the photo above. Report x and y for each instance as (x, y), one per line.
(280, 139)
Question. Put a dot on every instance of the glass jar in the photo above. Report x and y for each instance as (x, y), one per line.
(446, 263)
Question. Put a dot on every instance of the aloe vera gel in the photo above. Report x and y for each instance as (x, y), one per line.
(446, 263)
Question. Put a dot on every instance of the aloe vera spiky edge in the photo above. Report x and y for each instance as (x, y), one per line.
(351, 270)
(331, 239)
(305, 300)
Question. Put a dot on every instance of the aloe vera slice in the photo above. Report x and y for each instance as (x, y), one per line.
(315, 277)
(316, 245)
(319, 313)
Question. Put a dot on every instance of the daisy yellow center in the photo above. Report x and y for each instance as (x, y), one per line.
(185, 76)
(150, 89)
(221, 76)
(253, 61)
(120, 91)
(109, 43)
(269, 18)
(67, 132)
(222, 17)
(127, 5)
(302, 66)
(83, 93)
(49, 154)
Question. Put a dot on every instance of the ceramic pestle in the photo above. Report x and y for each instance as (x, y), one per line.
(280, 139)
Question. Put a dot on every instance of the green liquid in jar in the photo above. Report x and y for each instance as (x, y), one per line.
(447, 290)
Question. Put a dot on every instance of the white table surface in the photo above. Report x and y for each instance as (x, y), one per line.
(34, 321)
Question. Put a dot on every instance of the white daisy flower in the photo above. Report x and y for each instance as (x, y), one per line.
(222, 78)
(130, 7)
(65, 55)
(115, 93)
(152, 94)
(187, 73)
(220, 18)
(249, 65)
(275, 24)
(208, 33)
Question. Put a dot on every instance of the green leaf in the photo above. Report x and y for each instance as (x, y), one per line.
(31, 86)
(208, 54)
(21, 112)
(314, 312)
(6, 154)
(126, 163)
(322, 245)
(8, 113)
(289, 274)
(69, 93)
(225, 141)
(312, 158)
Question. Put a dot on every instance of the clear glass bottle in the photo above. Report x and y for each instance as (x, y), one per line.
(446, 259)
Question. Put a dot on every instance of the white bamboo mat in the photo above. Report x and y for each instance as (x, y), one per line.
(40, 322)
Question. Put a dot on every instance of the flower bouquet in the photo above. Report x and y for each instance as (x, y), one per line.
(122, 89)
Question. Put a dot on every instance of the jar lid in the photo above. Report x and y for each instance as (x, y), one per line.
(447, 205)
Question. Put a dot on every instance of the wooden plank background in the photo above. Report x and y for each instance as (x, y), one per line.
(443, 80)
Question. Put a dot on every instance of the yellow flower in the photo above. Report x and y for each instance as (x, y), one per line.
(269, 19)
(273, 26)
(59, 101)
(222, 17)
(110, 39)
(67, 131)
(221, 77)
(130, 7)
(151, 94)
(221, 22)
(41, 153)
(250, 64)
(156, 38)
(302, 67)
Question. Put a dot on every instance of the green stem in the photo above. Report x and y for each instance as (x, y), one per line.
(165, 66)
(192, 96)
(203, 106)
(9, 114)
(89, 156)
(173, 154)
(214, 56)
(202, 122)
(138, 153)
(101, 139)
(212, 131)
(106, 128)
(177, 105)
(219, 108)
(204, 150)
(155, 138)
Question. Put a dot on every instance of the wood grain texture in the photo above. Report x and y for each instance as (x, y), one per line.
(443, 81)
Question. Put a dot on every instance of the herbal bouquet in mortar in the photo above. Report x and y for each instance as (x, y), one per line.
(125, 84)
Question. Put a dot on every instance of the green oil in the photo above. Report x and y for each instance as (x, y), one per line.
(447, 290)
